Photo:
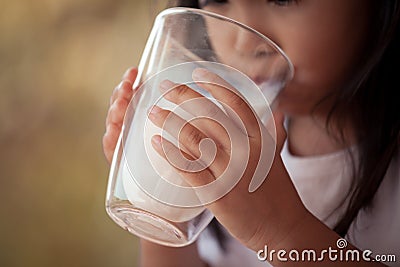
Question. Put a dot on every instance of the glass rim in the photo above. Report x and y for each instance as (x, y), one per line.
(177, 10)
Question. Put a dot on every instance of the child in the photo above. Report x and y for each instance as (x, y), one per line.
(338, 172)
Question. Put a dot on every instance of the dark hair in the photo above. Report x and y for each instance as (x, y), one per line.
(369, 102)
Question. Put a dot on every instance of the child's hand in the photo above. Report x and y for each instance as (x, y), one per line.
(265, 215)
(119, 101)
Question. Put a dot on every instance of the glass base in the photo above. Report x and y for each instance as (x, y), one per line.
(149, 226)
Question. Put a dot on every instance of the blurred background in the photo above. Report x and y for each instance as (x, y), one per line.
(59, 62)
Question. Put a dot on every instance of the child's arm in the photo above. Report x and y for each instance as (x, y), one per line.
(273, 215)
(156, 255)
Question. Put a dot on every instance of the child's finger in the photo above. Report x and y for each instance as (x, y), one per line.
(124, 88)
(110, 139)
(227, 94)
(118, 104)
(200, 107)
(130, 74)
(191, 138)
(184, 163)
(177, 93)
(117, 111)
(191, 101)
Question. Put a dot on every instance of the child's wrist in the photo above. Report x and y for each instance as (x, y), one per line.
(285, 212)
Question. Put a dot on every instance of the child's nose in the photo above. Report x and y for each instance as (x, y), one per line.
(249, 43)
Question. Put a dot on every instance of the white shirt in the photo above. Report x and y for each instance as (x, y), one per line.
(323, 183)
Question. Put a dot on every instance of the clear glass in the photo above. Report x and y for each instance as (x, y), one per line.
(145, 194)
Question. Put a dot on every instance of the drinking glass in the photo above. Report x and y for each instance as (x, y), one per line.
(145, 194)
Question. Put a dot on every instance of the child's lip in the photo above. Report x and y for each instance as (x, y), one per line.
(259, 80)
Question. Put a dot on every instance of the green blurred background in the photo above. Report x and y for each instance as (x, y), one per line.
(59, 62)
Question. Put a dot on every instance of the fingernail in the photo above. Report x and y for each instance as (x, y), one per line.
(199, 73)
(156, 139)
(120, 84)
(154, 111)
(166, 85)
(126, 73)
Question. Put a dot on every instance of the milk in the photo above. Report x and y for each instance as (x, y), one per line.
(148, 168)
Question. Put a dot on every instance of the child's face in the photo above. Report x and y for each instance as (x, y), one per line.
(323, 38)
